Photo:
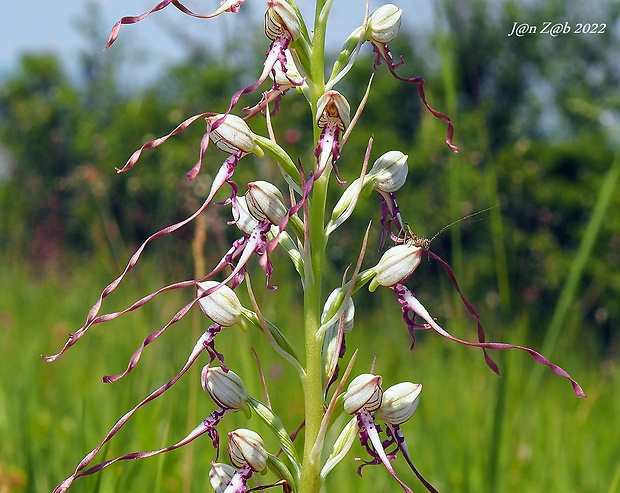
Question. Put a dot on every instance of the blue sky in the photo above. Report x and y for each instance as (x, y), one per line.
(51, 25)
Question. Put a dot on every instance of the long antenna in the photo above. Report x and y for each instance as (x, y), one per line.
(460, 220)
(426, 243)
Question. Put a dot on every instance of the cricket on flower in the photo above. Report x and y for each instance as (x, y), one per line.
(266, 217)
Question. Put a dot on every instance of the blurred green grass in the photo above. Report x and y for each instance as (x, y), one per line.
(544, 438)
(51, 415)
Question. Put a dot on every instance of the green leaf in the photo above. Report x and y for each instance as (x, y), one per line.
(280, 155)
(271, 420)
(276, 338)
(279, 469)
(341, 446)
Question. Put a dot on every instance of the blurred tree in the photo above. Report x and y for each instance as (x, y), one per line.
(533, 112)
(38, 107)
(537, 85)
(527, 111)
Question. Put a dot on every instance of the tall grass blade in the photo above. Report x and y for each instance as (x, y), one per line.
(569, 289)
(613, 487)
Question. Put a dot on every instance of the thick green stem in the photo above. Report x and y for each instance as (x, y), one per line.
(310, 481)
(313, 389)
(318, 49)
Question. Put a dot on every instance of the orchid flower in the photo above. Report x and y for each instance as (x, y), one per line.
(333, 118)
(367, 402)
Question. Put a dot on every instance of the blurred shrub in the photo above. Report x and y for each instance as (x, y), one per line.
(527, 113)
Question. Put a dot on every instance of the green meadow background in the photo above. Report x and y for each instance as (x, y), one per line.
(537, 120)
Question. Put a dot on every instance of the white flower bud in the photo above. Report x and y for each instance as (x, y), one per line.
(233, 135)
(399, 403)
(383, 23)
(222, 306)
(281, 20)
(245, 221)
(396, 265)
(349, 311)
(390, 171)
(332, 107)
(364, 392)
(220, 475)
(290, 78)
(265, 201)
(226, 389)
(247, 447)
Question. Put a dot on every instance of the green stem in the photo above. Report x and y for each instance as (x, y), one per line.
(313, 389)
(315, 244)
(317, 58)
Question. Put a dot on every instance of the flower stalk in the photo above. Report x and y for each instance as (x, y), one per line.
(264, 219)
